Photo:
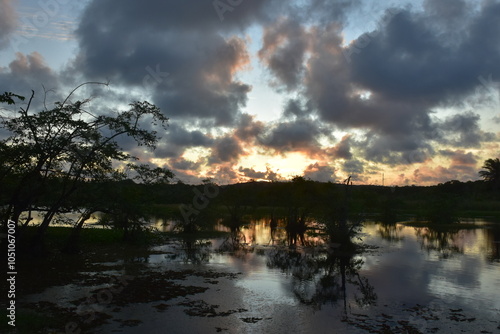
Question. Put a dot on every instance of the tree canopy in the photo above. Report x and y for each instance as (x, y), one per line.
(52, 153)
(491, 172)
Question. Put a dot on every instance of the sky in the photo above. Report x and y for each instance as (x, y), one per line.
(388, 92)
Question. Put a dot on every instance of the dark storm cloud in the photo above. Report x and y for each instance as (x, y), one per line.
(323, 12)
(176, 49)
(191, 75)
(460, 158)
(464, 131)
(165, 150)
(223, 174)
(389, 84)
(193, 16)
(251, 173)
(444, 174)
(321, 173)
(330, 90)
(340, 102)
(179, 50)
(465, 163)
(247, 128)
(177, 139)
(178, 135)
(353, 167)
(283, 51)
(447, 10)
(296, 108)
(385, 85)
(226, 149)
(413, 60)
(205, 87)
(292, 136)
(8, 21)
(287, 42)
(343, 149)
(184, 165)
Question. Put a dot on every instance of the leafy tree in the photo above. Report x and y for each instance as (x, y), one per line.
(491, 173)
(8, 98)
(68, 146)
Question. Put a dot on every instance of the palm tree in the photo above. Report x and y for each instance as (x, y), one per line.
(492, 172)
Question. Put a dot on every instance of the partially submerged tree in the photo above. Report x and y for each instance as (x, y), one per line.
(68, 146)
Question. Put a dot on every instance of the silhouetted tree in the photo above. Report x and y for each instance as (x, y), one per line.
(52, 153)
(491, 173)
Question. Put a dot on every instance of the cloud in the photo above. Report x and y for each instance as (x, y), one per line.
(382, 86)
(323, 12)
(178, 135)
(183, 164)
(296, 108)
(251, 173)
(343, 149)
(248, 129)
(321, 173)
(177, 139)
(226, 149)
(187, 64)
(464, 131)
(283, 51)
(292, 137)
(387, 82)
(463, 166)
(195, 16)
(28, 72)
(353, 167)
(447, 10)
(30, 65)
(411, 59)
(8, 21)
(461, 160)
(272, 175)
(223, 174)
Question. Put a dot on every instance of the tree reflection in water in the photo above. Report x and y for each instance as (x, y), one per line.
(320, 276)
(193, 251)
(445, 243)
(236, 245)
(493, 244)
(390, 232)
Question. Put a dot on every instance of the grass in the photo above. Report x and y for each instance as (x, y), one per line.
(90, 240)
(30, 322)
(57, 236)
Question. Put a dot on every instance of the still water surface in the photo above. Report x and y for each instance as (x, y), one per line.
(406, 279)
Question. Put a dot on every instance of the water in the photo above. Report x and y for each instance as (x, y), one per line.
(407, 280)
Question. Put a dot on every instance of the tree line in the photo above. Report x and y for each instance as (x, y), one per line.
(68, 159)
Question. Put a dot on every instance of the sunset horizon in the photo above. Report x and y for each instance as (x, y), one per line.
(396, 95)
